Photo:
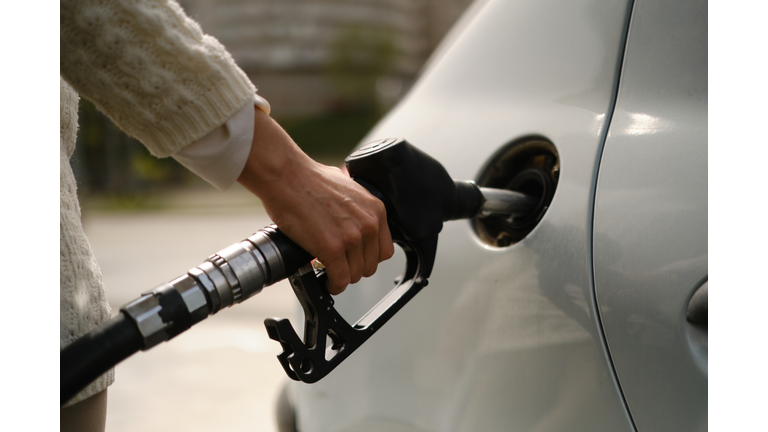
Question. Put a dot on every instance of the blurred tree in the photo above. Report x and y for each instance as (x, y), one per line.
(330, 137)
(107, 161)
(357, 58)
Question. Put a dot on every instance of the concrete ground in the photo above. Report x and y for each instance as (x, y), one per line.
(220, 375)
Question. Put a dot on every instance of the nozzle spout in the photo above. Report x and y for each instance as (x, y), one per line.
(502, 202)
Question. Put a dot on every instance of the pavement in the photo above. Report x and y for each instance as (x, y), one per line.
(221, 374)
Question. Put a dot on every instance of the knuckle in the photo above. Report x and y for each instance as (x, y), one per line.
(335, 289)
(356, 279)
(369, 227)
(381, 209)
(335, 248)
(353, 237)
(389, 251)
(338, 279)
(370, 269)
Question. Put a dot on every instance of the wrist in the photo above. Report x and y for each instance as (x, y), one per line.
(275, 162)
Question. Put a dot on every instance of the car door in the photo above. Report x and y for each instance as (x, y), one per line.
(650, 220)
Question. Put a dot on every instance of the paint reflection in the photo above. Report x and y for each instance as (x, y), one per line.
(526, 336)
(643, 124)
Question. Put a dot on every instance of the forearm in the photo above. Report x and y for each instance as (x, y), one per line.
(219, 157)
(272, 157)
(150, 68)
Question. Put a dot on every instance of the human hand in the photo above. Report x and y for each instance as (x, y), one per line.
(317, 206)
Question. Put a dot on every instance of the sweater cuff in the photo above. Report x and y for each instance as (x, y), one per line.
(176, 132)
(220, 156)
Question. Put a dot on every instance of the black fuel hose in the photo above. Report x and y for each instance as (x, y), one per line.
(95, 353)
(417, 192)
(228, 277)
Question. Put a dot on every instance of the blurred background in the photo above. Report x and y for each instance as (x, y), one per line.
(330, 69)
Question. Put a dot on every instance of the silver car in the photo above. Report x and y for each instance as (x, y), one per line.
(592, 316)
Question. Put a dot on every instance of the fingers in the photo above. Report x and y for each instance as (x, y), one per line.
(352, 261)
(385, 245)
(371, 255)
(338, 276)
(366, 243)
(371, 234)
(330, 216)
(356, 261)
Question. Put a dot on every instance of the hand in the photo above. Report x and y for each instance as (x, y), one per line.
(317, 206)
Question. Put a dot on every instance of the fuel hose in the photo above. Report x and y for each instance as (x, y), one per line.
(417, 192)
(226, 278)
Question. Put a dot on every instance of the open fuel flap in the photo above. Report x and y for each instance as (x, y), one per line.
(529, 165)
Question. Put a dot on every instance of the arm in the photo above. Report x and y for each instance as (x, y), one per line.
(276, 160)
(150, 68)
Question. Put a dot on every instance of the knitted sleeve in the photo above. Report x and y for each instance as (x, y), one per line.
(150, 69)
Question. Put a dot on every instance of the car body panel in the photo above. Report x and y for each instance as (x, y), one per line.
(501, 339)
(650, 229)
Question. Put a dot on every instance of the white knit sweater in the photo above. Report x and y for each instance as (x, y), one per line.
(151, 70)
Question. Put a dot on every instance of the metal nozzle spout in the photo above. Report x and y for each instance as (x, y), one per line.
(502, 202)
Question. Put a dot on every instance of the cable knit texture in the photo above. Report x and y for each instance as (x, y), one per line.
(150, 69)
(81, 294)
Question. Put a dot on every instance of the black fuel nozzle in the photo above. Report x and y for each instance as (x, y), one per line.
(419, 196)
(417, 191)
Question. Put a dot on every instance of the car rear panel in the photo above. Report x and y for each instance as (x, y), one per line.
(501, 339)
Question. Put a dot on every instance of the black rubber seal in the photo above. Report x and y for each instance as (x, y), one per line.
(174, 310)
(294, 257)
(532, 182)
(697, 313)
(468, 200)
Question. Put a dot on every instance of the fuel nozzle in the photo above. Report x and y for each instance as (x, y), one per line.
(420, 194)
(503, 202)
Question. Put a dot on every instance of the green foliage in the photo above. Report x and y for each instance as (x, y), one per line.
(358, 56)
(106, 160)
(331, 135)
(153, 170)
